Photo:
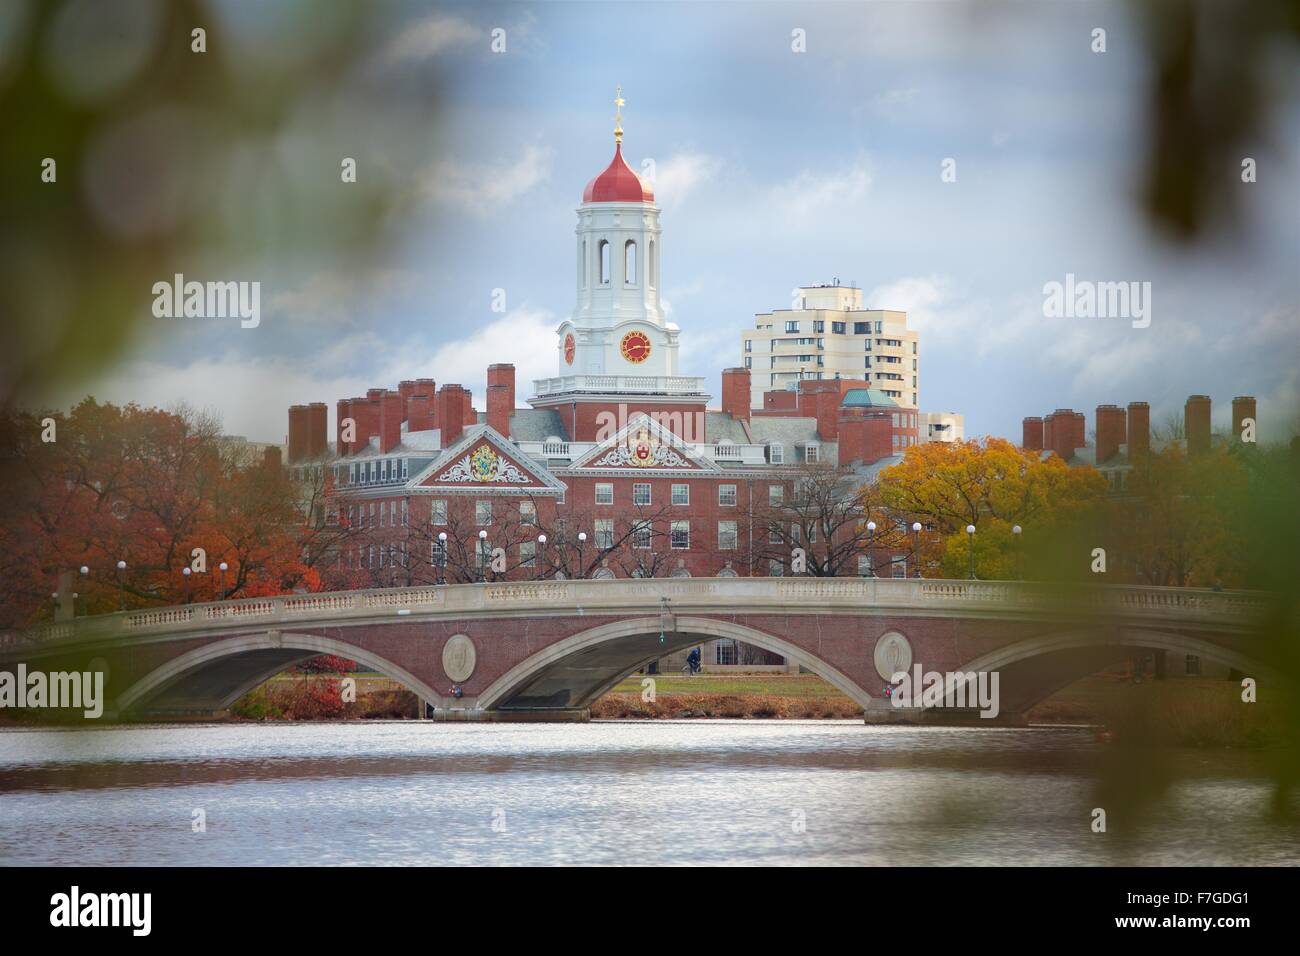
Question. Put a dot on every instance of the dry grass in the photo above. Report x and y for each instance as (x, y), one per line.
(673, 706)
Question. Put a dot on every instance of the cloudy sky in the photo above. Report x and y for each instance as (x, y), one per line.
(776, 168)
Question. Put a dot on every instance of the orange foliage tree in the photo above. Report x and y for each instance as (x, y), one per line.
(147, 487)
(993, 485)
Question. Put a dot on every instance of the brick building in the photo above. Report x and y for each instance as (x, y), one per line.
(615, 466)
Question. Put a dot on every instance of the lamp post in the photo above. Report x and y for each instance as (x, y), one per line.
(582, 567)
(1015, 532)
(970, 547)
(223, 568)
(121, 566)
(871, 544)
(916, 546)
(85, 571)
(442, 557)
(541, 556)
(185, 572)
(482, 557)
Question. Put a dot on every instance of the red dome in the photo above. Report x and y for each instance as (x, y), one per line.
(618, 183)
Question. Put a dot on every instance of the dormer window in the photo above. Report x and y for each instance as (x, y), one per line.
(775, 453)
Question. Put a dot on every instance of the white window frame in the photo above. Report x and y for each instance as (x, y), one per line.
(685, 494)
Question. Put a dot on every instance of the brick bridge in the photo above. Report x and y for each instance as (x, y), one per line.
(547, 649)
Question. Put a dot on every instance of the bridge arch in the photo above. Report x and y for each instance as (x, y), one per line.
(1033, 669)
(236, 665)
(597, 659)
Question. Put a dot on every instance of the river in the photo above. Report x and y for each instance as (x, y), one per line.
(664, 792)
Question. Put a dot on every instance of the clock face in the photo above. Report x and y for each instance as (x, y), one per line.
(636, 347)
(570, 347)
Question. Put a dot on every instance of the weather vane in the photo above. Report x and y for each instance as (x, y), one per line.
(618, 113)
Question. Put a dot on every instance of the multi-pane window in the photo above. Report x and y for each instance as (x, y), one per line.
(681, 494)
(792, 326)
(392, 514)
(604, 494)
(775, 568)
(775, 495)
(482, 512)
(776, 453)
(406, 513)
(604, 532)
(641, 493)
(899, 566)
(864, 565)
(681, 535)
(810, 454)
(726, 536)
(727, 496)
(438, 554)
(726, 652)
(774, 534)
(438, 511)
(527, 513)
(528, 554)
(641, 534)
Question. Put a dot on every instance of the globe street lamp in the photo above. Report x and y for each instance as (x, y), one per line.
(1015, 531)
(916, 545)
(121, 566)
(482, 557)
(223, 568)
(85, 570)
(541, 556)
(871, 544)
(442, 556)
(582, 540)
(970, 546)
(185, 571)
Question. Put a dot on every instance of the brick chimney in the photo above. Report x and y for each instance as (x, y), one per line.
(1033, 434)
(450, 413)
(503, 374)
(821, 400)
(1243, 407)
(1059, 432)
(1078, 430)
(317, 430)
(735, 393)
(366, 412)
(1112, 426)
(1196, 423)
(406, 389)
(427, 386)
(419, 412)
(499, 408)
(390, 421)
(1139, 430)
(342, 410)
(470, 415)
(297, 433)
(866, 437)
(271, 456)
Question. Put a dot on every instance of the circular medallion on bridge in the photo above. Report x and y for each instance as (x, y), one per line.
(459, 658)
(893, 655)
(570, 348)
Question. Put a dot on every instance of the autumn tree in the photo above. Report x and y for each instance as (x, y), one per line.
(994, 485)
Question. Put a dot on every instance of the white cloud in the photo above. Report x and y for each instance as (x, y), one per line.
(479, 187)
(431, 36)
(677, 175)
(814, 194)
(328, 297)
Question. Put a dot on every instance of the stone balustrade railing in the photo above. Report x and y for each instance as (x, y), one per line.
(804, 595)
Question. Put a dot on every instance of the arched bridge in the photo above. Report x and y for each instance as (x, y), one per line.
(548, 649)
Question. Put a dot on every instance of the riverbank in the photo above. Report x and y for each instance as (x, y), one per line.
(1183, 712)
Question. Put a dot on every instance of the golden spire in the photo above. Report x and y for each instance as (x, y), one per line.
(618, 113)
